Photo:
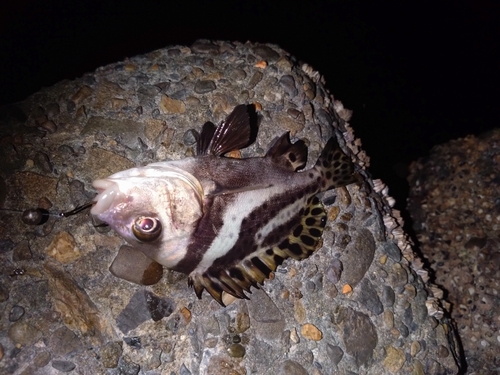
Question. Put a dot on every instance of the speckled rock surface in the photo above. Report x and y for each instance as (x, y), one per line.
(455, 204)
(359, 305)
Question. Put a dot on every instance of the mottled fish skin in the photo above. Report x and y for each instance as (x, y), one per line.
(225, 222)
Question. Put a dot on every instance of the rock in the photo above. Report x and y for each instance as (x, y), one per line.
(110, 354)
(132, 265)
(311, 332)
(63, 366)
(63, 248)
(236, 350)
(64, 341)
(335, 353)
(169, 105)
(143, 306)
(265, 315)
(204, 86)
(127, 367)
(16, 313)
(42, 359)
(368, 297)
(357, 258)
(394, 359)
(23, 333)
(77, 311)
(359, 335)
(290, 367)
(242, 322)
(149, 108)
(459, 180)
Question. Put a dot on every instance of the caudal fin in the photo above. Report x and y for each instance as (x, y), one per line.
(335, 167)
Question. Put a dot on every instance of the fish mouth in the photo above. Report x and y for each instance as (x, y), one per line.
(108, 190)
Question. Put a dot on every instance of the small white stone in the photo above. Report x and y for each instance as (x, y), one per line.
(294, 336)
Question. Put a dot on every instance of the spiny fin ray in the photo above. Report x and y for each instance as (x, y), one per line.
(232, 134)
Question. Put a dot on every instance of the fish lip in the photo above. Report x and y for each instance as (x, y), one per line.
(108, 190)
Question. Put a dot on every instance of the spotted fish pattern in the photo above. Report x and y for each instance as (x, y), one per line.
(249, 216)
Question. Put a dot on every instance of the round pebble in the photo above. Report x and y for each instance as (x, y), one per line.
(42, 359)
(49, 126)
(236, 350)
(63, 366)
(23, 333)
(16, 313)
(189, 138)
(311, 332)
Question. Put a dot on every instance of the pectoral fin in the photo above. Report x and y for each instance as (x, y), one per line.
(256, 267)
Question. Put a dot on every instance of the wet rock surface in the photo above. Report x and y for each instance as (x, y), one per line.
(359, 305)
(455, 205)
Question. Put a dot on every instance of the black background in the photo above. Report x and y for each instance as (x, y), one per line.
(416, 74)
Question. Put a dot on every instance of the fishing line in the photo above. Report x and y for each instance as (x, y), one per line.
(39, 216)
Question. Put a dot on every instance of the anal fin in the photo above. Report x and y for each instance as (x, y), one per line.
(251, 271)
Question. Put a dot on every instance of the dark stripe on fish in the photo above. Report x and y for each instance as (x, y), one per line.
(209, 229)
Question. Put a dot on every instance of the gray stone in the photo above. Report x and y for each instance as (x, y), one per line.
(127, 367)
(391, 249)
(135, 313)
(269, 322)
(204, 86)
(388, 296)
(335, 353)
(42, 161)
(6, 245)
(143, 306)
(64, 341)
(358, 257)
(184, 370)
(125, 132)
(16, 313)
(23, 333)
(368, 297)
(290, 367)
(110, 354)
(266, 53)
(63, 366)
(42, 359)
(159, 308)
(359, 335)
(256, 78)
(288, 84)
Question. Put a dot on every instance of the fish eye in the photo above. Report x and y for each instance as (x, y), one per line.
(146, 229)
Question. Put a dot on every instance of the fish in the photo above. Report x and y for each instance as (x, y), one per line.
(227, 223)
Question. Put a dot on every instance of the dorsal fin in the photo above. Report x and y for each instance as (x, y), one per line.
(287, 155)
(303, 241)
(232, 134)
(207, 132)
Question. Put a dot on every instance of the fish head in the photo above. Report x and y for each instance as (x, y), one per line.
(154, 208)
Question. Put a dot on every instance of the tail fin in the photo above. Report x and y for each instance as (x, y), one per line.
(335, 167)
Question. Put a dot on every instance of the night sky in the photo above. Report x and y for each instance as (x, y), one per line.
(415, 76)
